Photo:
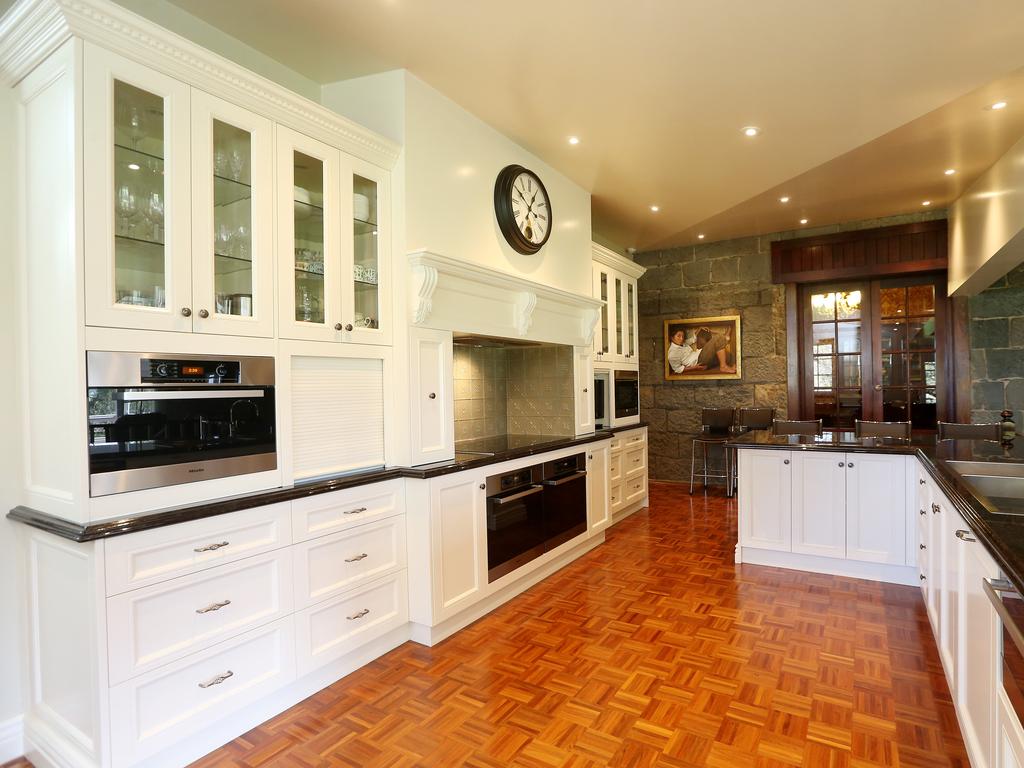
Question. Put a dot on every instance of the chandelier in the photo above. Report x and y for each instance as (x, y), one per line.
(845, 303)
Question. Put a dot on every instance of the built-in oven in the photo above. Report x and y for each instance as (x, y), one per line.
(1010, 607)
(602, 399)
(158, 420)
(515, 520)
(626, 397)
(565, 499)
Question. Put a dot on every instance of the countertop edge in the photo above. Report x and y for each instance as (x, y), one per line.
(104, 529)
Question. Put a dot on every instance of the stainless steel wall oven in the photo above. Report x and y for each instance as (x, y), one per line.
(158, 420)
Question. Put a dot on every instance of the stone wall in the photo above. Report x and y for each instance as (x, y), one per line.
(720, 278)
(997, 350)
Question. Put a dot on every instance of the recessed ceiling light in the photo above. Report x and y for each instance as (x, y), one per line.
(998, 105)
(803, 221)
(751, 130)
(700, 236)
(655, 209)
(784, 199)
(926, 202)
(133, 166)
(574, 140)
(949, 171)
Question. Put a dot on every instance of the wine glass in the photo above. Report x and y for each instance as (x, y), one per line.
(136, 124)
(155, 216)
(237, 162)
(222, 245)
(242, 236)
(126, 209)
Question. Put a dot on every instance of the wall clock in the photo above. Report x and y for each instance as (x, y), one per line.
(522, 208)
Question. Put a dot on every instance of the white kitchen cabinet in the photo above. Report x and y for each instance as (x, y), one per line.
(458, 541)
(945, 570)
(583, 386)
(1009, 734)
(431, 395)
(366, 292)
(979, 642)
(615, 283)
(766, 499)
(138, 263)
(819, 503)
(627, 472)
(875, 489)
(599, 510)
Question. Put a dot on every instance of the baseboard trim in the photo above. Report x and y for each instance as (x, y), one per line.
(12, 738)
(855, 569)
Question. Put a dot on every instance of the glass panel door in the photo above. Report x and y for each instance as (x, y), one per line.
(232, 247)
(310, 239)
(365, 253)
(836, 336)
(909, 376)
(630, 320)
(366, 298)
(618, 314)
(605, 332)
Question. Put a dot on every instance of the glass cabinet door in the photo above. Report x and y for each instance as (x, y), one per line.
(629, 320)
(619, 350)
(137, 196)
(365, 301)
(231, 219)
(308, 224)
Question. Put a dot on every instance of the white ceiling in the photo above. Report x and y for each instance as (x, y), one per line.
(658, 90)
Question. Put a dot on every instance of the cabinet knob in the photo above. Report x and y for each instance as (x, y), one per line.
(590, 456)
(186, 312)
(348, 326)
(432, 395)
(849, 465)
(338, 326)
(920, 481)
(921, 546)
(936, 509)
(483, 486)
(923, 577)
(923, 512)
(841, 464)
(204, 314)
(785, 461)
(585, 390)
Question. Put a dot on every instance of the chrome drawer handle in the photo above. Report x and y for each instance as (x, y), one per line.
(359, 615)
(214, 607)
(356, 511)
(211, 547)
(965, 536)
(936, 509)
(357, 558)
(217, 680)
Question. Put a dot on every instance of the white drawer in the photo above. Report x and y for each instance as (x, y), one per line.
(636, 489)
(327, 566)
(617, 496)
(156, 710)
(151, 626)
(332, 629)
(632, 439)
(148, 557)
(634, 460)
(615, 444)
(615, 467)
(330, 512)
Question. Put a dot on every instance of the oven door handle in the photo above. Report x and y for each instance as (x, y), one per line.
(190, 394)
(516, 496)
(568, 479)
(993, 588)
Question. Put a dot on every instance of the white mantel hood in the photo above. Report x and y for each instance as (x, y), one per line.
(448, 294)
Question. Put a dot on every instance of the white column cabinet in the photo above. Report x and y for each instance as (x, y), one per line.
(458, 540)
(873, 533)
(765, 499)
(819, 503)
(583, 390)
(615, 283)
(432, 401)
(599, 511)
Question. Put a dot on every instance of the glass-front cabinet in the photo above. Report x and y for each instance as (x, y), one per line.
(178, 204)
(331, 245)
(615, 339)
(137, 197)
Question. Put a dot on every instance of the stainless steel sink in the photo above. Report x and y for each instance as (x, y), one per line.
(987, 468)
(997, 487)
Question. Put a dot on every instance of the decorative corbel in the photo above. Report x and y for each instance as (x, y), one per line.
(590, 318)
(424, 278)
(526, 301)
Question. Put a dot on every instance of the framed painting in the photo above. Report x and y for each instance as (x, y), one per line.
(703, 348)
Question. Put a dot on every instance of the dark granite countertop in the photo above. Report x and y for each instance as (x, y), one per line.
(504, 448)
(998, 523)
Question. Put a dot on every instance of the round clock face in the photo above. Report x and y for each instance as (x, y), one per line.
(522, 208)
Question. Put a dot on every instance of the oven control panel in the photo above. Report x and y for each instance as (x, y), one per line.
(156, 371)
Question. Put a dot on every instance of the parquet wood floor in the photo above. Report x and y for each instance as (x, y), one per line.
(652, 650)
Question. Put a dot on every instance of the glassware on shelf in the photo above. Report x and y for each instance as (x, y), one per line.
(223, 240)
(155, 217)
(237, 164)
(242, 243)
(127, 210)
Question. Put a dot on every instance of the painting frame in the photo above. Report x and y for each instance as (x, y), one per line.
(721, 332)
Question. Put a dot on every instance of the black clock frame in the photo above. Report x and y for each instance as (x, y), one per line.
(505, 216)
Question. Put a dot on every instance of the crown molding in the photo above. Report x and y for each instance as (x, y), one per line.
(611, 259)
(33, 29)
(454, 295)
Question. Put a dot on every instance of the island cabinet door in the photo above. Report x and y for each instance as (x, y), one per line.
(819, 503)
(876, 508)
(765, 499)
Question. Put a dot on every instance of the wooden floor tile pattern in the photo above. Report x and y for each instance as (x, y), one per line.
(652, 650)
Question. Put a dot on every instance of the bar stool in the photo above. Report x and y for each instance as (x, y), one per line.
(715, 426)
(783, 427)
(898, 429)
(949, 430)
(747, 420)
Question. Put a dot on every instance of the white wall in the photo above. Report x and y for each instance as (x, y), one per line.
(986, 226)
(452, 160)
(11, 652)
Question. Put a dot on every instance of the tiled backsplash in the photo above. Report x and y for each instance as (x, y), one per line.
(519, 390)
